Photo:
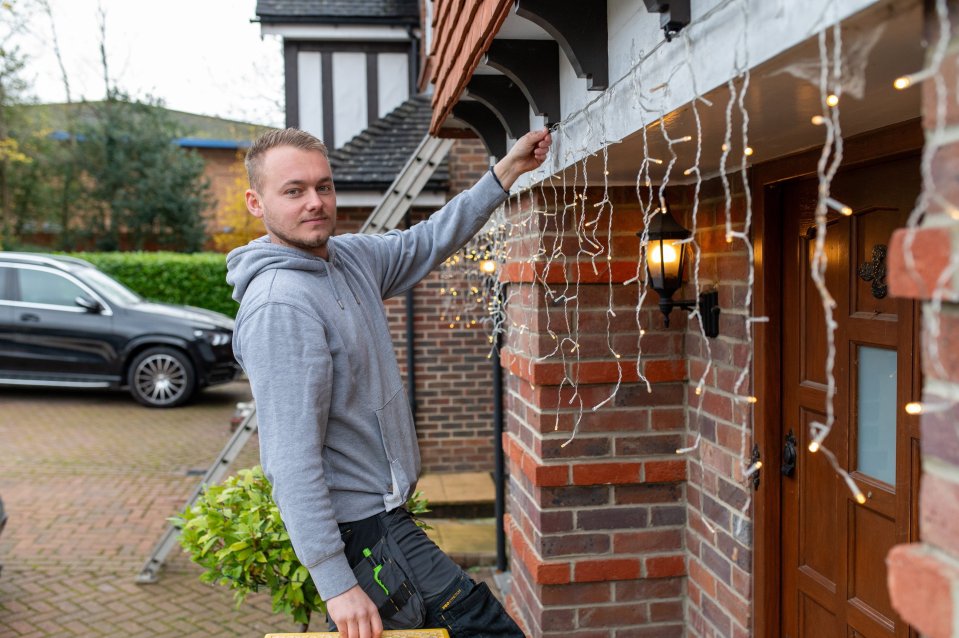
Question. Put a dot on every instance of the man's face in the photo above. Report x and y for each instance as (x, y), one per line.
(296, 199)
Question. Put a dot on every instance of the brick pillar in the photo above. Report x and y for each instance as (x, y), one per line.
(924, 577)
(596, 527)
(719, 531)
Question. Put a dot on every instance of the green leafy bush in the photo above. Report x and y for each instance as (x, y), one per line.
(235, 532)
(197, 279)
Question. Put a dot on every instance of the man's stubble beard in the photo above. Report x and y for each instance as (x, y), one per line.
(307, 246)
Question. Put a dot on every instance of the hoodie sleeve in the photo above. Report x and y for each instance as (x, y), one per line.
(404, 257)
(292, 383)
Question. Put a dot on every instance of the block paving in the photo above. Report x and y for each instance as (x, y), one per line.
(88, 480)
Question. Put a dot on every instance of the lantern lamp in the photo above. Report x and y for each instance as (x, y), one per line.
(666, 263)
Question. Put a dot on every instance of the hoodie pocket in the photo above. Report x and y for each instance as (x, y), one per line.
(399, 437)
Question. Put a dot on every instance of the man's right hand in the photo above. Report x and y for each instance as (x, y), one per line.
(355, 614)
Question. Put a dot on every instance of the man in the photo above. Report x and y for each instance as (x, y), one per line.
(337, 438)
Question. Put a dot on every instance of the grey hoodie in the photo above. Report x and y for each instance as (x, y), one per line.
(337, 438)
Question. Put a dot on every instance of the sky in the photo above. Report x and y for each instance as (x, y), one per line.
(199, 56)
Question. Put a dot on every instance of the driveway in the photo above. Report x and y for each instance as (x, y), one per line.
(88, 480)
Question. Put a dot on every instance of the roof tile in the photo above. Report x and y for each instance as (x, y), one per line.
(374, 158)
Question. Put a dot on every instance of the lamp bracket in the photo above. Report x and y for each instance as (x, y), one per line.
(708, 304)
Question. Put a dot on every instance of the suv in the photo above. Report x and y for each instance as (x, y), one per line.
(65, 324)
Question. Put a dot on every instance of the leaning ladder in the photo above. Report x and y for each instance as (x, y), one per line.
(248, 424)
(407, 186)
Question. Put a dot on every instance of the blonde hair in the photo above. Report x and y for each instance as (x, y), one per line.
(281, 137)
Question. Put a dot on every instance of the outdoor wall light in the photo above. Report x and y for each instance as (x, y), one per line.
(666, 263)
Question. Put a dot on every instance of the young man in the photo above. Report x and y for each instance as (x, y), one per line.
(337, 439)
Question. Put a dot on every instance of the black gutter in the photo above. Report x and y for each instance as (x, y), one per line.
(410, 344)
(499, 477)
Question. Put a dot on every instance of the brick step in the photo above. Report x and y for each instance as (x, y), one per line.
(470, 543)
(460, 495)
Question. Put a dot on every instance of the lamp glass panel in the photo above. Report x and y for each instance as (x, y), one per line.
(665, 259)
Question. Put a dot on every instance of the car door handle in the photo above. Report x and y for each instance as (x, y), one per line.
(30, 317)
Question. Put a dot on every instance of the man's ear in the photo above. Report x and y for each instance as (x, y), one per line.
(253, 203)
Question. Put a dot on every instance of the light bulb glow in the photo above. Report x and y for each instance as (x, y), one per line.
(748, 151)
(668, 254)
(818, 120)
(832, 100)
(814, 446)
(902, 83)
(914, 408)
(488, 266)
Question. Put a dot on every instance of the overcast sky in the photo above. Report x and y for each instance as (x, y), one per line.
(200, 56)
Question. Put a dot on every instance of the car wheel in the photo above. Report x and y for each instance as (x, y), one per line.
(162, 378)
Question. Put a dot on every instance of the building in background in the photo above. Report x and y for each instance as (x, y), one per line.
(755, 472)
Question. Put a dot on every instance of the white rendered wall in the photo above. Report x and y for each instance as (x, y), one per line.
(640, 59)
(393, 81)
(349, 96)
(310, 87)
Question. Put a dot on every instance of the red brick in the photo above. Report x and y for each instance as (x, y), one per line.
(551, 475)
(606, 473)
(552, 574)
(647, 541)
(921, 588)
(665, 370)
(586, 571)
(940, 435)
(939, 515)
(665, 471)
(931, 249)
(665, 566)
(612, 615)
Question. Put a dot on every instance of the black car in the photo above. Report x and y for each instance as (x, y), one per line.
(63, 323)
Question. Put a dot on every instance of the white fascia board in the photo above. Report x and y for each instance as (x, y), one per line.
(360, 199)
(641, 60)
(365, 33)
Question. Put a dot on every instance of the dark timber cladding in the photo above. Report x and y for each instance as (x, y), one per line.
(326, 73)
(505, 99)
(581, 30)
(291, 73)
(534, 66)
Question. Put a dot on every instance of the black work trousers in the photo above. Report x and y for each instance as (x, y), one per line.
(415, 584)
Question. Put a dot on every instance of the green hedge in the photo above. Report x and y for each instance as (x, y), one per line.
(197, 279)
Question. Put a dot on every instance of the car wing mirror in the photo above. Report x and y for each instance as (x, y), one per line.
(91, 305)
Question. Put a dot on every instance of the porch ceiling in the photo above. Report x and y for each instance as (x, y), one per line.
(780, 105)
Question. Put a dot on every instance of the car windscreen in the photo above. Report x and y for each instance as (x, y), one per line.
(110, 288)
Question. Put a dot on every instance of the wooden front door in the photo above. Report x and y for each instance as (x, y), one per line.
(833, 548)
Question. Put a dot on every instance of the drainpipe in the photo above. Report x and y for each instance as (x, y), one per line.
(499, 474)
(410, 345)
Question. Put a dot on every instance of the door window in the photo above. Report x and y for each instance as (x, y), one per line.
(876, 402)
(44, 287)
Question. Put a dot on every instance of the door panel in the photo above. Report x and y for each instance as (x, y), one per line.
(834, 549)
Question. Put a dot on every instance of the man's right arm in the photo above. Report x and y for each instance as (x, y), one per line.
(285, 355)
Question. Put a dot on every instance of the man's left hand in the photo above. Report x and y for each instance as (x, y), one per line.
(528, 153)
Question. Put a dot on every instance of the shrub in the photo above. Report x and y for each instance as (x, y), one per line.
(197, 279)
(235, 532)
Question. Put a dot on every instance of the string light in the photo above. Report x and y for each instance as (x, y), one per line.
(832, 100)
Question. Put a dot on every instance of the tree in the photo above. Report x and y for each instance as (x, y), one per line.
(140, 182)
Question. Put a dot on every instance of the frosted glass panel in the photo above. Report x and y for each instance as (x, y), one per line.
(877, 413)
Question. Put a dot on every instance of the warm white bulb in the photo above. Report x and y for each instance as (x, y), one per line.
(832, 100)
(814, 447)
(818, 120)
(902, 83)
(748, 151)
(914, 408)
(725, 147)
(488, 266)
(668, 255)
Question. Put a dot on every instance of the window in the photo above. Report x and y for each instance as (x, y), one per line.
(42, 286)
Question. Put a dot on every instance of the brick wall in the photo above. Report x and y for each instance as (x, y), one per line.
(924, 577)
(454, 411)
(596, 527)
(718, 534)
